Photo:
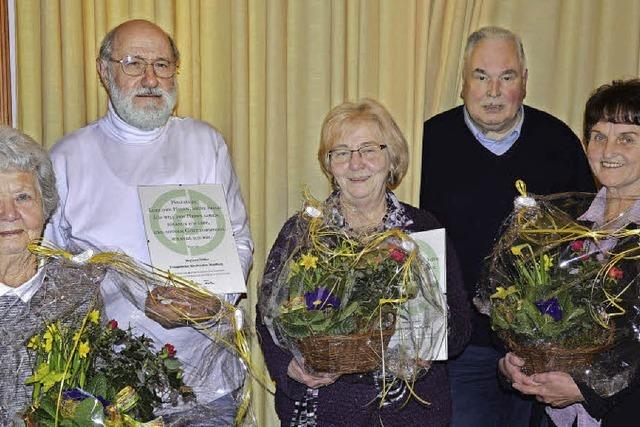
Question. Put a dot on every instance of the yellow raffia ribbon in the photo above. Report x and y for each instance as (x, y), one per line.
(353, 249)
(521, 187)
(572, 231)
(149, 274)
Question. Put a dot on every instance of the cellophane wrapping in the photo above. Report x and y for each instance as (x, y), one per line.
(184, 363)
(556, 282)
(60, 292)
(337, 283)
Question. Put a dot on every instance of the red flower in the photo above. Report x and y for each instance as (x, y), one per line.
(397, 255)
(112, 324)
(577, 246)
(615, 273)
(170, 350)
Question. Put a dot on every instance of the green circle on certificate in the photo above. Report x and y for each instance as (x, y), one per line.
(187, 222)
(430, 255)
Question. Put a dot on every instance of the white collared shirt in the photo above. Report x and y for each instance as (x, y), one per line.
(25, 291)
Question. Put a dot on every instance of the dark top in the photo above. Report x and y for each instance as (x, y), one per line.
(470, 190)
(619, 410)
(354, 403)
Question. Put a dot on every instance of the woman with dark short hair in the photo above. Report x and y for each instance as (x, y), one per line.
(612, 136)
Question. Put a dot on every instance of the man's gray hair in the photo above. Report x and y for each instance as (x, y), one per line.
(491, 33)
(106, 48)
(19, 152)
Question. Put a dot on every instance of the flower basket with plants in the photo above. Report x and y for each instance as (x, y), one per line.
(554, 286)
(121, 376)
(347, 303)
(98, 374)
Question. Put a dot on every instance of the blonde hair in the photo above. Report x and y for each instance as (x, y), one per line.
(343, 117)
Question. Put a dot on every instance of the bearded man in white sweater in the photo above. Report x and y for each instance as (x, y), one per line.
(139, 142)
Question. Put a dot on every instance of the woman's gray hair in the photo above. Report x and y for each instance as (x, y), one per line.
(19, 152)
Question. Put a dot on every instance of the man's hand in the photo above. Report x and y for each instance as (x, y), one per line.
(553, 388)
(316, 380)
(172, 307)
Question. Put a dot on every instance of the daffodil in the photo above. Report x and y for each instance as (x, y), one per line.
(94, 317)
(52, 329)
(547, 262)
(34, 342)
(502, 293)
(517, 250)
(47, 343)
(76, 336)
(308, 261)
(83, 349)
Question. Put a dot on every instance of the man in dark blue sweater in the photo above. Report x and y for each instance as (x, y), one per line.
(472, 156)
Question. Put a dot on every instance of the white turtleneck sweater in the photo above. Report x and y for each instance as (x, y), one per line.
(98, 169)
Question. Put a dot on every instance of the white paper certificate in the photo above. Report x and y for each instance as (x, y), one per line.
(426, 322)
(189, 233)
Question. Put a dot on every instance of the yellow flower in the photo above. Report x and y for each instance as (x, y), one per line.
(295, 268)
(76, 336)
(308, 261)
(517, 250)
(83, 349)
(502, 293)
(547, 262)
(295, 303)
(52, 329)
(34, 342)
(94, 316)
(47, 341)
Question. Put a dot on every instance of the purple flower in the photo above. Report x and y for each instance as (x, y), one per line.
(79, 394)
(320, 299)
(550, 307)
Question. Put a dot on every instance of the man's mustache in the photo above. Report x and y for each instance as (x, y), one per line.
(151, 91)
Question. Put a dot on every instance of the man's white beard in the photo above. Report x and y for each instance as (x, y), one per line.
(144, 118)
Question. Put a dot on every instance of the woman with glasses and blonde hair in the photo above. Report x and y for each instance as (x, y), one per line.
(365, 156)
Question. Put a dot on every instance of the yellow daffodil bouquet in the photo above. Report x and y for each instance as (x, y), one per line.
(339, 299)
(95, 373)
(554, 286)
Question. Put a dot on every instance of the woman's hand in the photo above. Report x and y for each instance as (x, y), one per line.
(553, 388)
(511, 367)
(300, 374)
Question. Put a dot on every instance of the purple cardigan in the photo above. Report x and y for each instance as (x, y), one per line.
(355, 404)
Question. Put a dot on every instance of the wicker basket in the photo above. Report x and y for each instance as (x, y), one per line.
(346, 354)
(549, 357)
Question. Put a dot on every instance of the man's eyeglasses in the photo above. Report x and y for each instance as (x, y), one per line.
(134, 66)
(369, 152)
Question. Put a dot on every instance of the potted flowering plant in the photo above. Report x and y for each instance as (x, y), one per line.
(344, 302)
(340, 309)
(100, 374)
(553, 286)
(339, 292)
(549, 295)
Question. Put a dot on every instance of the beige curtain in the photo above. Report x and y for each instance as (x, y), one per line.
(265, 72)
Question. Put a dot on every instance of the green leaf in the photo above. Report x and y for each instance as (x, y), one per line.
(172, 364)
(88, 412)
(98, 385)
(46, 377)
(348, 311)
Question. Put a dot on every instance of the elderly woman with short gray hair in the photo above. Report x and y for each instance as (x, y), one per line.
(31, 295)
